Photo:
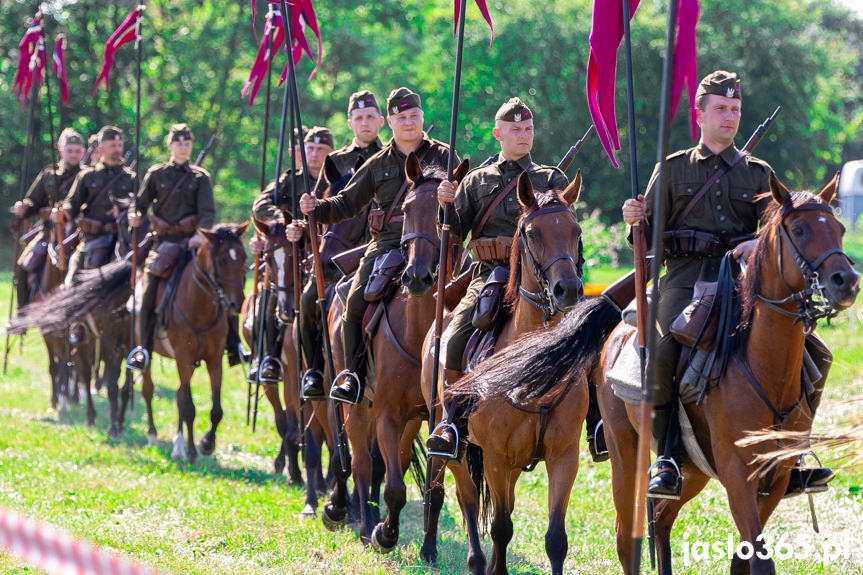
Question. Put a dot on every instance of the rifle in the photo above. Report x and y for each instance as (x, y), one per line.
(204, 151)
(566, 161)
(90, 149)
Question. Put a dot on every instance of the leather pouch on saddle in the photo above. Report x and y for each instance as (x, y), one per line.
(90, 226)
(34, 259)
(455, 290)
(348, 261)
(696, 325)
(376, 220)
(168, 254)
(97, 252)
(489, 300)
(187, 225)
(380, 280)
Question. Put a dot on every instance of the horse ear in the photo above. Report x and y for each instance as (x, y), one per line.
(829, 191)
(525, 191)
(241, 228)
(573, 190)
(779, 191)
(359, 163)
(208, 235)
(331, 171)
(412, 168)
(461, 170)
(261, 227)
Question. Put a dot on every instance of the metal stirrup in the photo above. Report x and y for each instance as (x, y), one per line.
(270, 381)
(446, 455)
(306, 376)
(343, 374)
(146, 359)
(651, 473)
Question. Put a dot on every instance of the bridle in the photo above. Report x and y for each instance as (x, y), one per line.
(210, 282)
(275, 242)
(812, 302)
(426, 186)
(542, 299)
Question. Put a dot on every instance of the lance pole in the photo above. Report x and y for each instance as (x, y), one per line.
(444, 254)
(58, 227)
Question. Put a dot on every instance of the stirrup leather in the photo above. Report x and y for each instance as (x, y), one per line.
(132, 353)
(308, 375)
(444, 455)
(343, 374)
(651, 472)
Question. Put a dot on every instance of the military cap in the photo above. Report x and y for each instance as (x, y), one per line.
(362, 99)
(70, 136)
(402, 99)
(110, 133)
(179, 133)
(721, 83)
(514, 110)
(319, 135)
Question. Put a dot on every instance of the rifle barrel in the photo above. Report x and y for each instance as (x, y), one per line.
(567, 159)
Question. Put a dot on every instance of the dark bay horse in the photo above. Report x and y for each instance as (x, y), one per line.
(798, 258)
(545, 282)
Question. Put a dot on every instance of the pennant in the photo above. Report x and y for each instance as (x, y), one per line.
(685, 70)
(485, 14)
(263, 59)
(302, 17)
(60, 68)
(31, 60)
(127, 32)
(606, 32)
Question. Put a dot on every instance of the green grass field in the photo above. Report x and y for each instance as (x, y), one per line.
(230, 514)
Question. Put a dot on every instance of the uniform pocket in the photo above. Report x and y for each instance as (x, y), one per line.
(683, 194)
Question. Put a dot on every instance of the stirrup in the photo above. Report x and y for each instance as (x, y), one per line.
(244, 355)
(343, 374)
(805, 487)
(442, 454)
(651, 472)
(129, 359)
(270, 380)
(309, 373)
(597, 454)
(252, 374)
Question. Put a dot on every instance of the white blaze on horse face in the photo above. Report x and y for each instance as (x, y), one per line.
(281, 273)
(822, 219)
(233, 253)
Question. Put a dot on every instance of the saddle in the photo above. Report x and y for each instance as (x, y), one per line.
(488, 319)
(381, 284)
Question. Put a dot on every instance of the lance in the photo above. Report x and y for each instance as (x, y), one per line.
(22, 189)
(341, 440)
(648, 387)
(58, 227)
(442, 261)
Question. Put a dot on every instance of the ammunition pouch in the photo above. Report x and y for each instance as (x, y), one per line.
(34, 259)
(692, 243)
(697, 323)
(378, 221)
(348, 261)
(187, 225)
(488, 302)
(383, 271)
(491, 249)
(94, 227)
(167, 256)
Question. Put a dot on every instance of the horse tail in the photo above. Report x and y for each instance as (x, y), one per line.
(474, 460)
(417, 465)
(67, 305)
(534, 364)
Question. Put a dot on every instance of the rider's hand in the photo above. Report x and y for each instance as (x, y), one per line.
(446, 192)
(196, 241)
(135, 219)
(294, 232)
(19, 209)
(257, 245)
(58, 215)
(633, 210)
(743, 250)
(308, 203)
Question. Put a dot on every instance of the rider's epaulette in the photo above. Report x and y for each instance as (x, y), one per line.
(676, 154)
(752, 160)
(200, 170)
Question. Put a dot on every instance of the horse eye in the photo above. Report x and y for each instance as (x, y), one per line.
(797, 230)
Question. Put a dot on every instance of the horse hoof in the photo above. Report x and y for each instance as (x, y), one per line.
(308, 512)
(379, 543)
(207, 446)
(279, 464)
(332, 519)
(429, 556)
(113, 432)
(152, 441)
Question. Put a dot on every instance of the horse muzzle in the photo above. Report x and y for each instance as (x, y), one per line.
(418, 281)
(842, 288)
(566, 292)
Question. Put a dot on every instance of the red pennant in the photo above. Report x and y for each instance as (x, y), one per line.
(685, 61)
(264, 57)
(125, 33)
(302, 16)
(31, 60)
(60, 68)
(485, 14)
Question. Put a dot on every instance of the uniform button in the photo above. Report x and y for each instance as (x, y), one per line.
(718, 207)
(745, 195)
(688, 190)
(721, 218)
(718, 193)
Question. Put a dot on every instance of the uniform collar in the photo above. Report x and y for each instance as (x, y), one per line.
(182, 166)
(702, 152)
(103, 166)
(523, 162)
(376, 145)
(424, 144)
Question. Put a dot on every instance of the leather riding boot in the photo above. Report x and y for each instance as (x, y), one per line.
(665, 483)
(313, 378)
(351, 389)
(595, 429)
(22, 288)
(271, 368)
(452, 430)
(234, 346)
(139, 358)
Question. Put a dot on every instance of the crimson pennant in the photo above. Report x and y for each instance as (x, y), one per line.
(60, 68)
(127, 32)
(31, 60)
(303, 16)
(685, 70)
(485, 14)
(265, 54)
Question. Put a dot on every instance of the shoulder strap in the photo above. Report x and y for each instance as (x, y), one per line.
(401, 192)
(497, 200)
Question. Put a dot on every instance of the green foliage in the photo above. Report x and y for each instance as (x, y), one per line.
(802, 55)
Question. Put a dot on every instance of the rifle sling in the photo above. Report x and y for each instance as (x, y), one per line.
(102, 191)
(497, 200)
(710, 181)
(158, 211)
(401, 192)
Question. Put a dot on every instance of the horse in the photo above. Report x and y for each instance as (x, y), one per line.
(544, 283)
(393, 370)
(797, 274)
(209, 286)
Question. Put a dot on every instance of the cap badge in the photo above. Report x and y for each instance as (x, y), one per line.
(729, 92)
(395, 109)
(361, 104)
(517, 117)
(317, 139)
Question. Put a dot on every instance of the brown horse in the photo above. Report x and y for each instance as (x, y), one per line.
(544, 283)
(210, 285)
(393, 370)
(797, 274)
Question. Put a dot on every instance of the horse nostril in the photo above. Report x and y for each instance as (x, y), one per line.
(838, 279)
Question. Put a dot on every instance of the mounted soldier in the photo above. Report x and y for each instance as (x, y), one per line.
(702, 225)
(93, 203)
(365, 121)
(182, 198)
(47, 190)
(318, 144)
(382, 177)
(486, 205)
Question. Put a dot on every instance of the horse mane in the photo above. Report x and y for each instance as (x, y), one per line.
(541, 200)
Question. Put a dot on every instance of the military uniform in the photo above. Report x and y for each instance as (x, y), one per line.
(182, 199)
(380, 178)
(91, 202)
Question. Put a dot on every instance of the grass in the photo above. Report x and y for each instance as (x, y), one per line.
(230, 514)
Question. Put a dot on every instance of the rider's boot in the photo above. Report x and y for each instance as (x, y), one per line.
(350, 390)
